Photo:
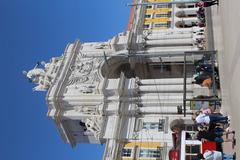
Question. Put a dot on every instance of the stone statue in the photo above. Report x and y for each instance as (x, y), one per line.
(35, 73)
(39, 76)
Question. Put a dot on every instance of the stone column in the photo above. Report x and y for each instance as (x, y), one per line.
(160, 110)
(176, 30)
(162, 103)
(170, 49)
(164, 95)
(147, 97)
(163, 88)
(164, 81)
(171, 36)
(170, 42)
(186, 11)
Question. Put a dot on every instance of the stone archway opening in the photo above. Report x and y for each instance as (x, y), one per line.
(145, 68)
(115, 66)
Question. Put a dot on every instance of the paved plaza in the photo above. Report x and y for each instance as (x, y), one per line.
(226, 33)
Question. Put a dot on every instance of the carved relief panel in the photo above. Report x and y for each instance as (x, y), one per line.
(85, 74)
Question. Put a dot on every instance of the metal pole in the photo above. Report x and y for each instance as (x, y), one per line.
(213, 76)
(184, 85)
(156, 3)
(169, 63)
(200, 52)
(181, 53)
(208, 100)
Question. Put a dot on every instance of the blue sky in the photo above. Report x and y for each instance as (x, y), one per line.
(36, 30)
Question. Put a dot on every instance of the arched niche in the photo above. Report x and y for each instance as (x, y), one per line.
(185, 24)
(185, 14)
(185, 5)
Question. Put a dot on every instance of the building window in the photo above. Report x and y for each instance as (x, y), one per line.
(164, 6)
(147, 16)
(192, 151)
(162, 67)
(161, 15)
(149, 7)
(150, 153)
(126, 152)
(150, 125)
(160, 25)
(158, 126)
(146, 26)
(161, 125)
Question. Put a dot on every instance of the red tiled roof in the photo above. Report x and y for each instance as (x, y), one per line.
(130, 21)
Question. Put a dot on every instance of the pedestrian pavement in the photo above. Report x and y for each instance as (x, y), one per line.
(226, 34)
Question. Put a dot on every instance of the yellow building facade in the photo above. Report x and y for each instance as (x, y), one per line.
(158, 17)
(142, 151)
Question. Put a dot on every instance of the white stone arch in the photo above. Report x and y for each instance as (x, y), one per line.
(113, 65)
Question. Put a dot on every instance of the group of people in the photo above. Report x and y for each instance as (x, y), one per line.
(201, 17)
(200, 40)
(205, 73)
(201, 11)
(212, 126)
